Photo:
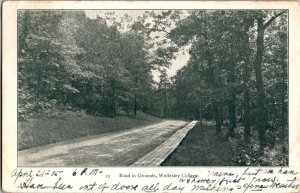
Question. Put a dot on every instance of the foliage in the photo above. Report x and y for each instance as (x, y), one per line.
(226, 76)
(236, 73)
(252, 155)
(67, 59)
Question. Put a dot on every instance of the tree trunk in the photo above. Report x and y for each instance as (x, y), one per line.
(200, 113)
(165, 103)
(215, 87)
(232, 99)
(105, 101)
(283, 108)
(232, 116)
(113, 99)
(217, 117)
(135, 106)
(39, 78)
(222, 115)
(246, 119)
(247, 71)
(24, 34)
(261, 120)
(127, 109)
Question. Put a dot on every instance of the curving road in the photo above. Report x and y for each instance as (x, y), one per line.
(112, 149)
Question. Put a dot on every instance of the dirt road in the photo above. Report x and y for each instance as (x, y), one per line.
(111, 149)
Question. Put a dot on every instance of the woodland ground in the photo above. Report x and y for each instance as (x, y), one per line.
(202, 147)
(42, 131)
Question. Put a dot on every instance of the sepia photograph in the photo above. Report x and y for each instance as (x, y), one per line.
(152, 87)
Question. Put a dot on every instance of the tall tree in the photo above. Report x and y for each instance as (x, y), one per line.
(262, 24)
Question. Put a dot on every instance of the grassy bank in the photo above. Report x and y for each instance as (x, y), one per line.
(202, 147)
(42, 131)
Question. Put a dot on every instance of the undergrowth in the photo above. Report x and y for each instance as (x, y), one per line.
(202, 147)
(250, 154)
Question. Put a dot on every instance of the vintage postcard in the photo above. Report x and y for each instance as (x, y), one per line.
(150, 96)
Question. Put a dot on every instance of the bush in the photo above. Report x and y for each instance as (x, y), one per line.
(275, 154)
